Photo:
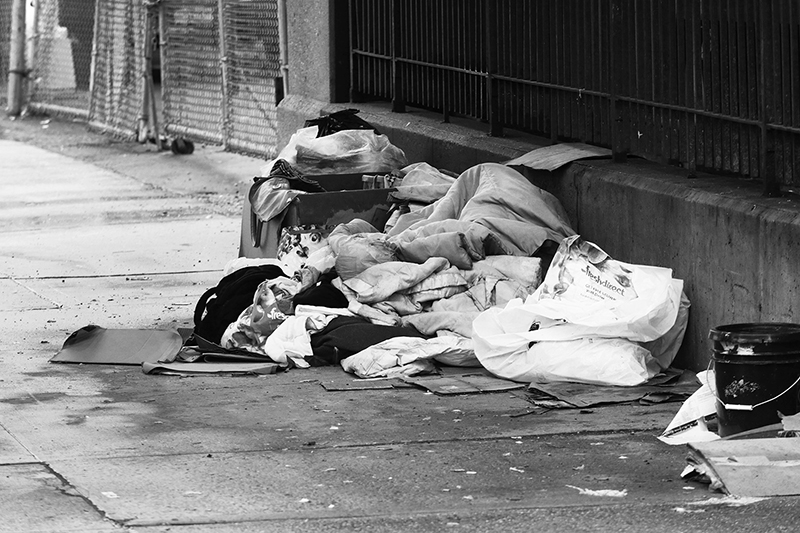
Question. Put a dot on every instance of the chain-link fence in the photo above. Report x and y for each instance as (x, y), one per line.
(217, 61)
(252, 52)
(191, 71)
(62, 41)
(220, 60)
(118, 90)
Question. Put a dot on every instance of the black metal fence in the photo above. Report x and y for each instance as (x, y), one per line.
(709, 85)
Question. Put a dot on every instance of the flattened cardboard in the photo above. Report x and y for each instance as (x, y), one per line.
(751, 467)
(463, 384)
(670, 387)
(189, 369)
(558, 155)
(97, 345)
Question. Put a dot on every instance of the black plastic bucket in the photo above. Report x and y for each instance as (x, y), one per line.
(757, 369)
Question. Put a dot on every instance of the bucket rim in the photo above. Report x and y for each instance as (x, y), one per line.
(756, 332)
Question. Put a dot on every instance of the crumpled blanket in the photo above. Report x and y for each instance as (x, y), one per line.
(409, 356)
(378, 282)
(490, 210)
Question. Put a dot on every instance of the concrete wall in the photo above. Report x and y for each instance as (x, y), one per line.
(737, 252)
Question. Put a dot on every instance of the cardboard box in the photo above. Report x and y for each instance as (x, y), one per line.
(345, 200)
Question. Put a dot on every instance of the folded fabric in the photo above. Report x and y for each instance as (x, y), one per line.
(440, 285)
(344, 336)
(432, 322)
(406, 356)
(358, 246)
(379, 282)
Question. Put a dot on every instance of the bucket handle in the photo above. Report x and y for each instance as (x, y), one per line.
(745, 407)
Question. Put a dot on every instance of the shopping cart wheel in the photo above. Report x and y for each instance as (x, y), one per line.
(181, 146)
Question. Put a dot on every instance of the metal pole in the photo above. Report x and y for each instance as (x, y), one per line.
(283, 41)
(16, 67)
(223, 50)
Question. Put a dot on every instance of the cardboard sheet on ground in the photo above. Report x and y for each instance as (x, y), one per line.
(465, 383)
(557, 155)
(97, 345)
(203, 368)
(750, 467)
(667, 387)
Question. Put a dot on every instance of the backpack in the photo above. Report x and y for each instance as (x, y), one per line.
(219, 306)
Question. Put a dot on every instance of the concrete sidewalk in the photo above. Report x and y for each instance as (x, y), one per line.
(88, 237)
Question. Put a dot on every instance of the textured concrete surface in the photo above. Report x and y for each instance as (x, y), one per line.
(103, 447)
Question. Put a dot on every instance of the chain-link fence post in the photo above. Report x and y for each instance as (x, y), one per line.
(16, 58)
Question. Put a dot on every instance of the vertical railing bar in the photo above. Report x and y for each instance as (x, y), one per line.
(558, 68)
(350, 16)
(689, 85)
(794, 16)
(642, 84)
(672, 52)
(768, 180)
(653, 33)
(580, 79)
(741, 86)
(495, 128)
(787, 140)
(733, 69)
(729, 161)
(753, 94)
(746, 81)
(616, 29)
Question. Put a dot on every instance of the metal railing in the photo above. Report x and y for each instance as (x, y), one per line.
(709, 85)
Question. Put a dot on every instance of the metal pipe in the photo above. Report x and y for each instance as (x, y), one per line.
(16, 56)
(283, 41)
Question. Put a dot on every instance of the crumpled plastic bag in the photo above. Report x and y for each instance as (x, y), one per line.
(592, 360)
(585, 295)
(343, 152)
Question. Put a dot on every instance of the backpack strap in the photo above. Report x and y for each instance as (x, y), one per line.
(201, 305)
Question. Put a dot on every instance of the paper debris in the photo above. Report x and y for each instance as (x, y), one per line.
(601, 492)
(730, 501)
(109, 495)
(684, 510)
(689, 424)
(514, 469)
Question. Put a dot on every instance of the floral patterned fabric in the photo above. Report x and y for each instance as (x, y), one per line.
(298, 242)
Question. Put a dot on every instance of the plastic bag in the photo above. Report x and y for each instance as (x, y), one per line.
(343, 152)
(585, 294)
(592, 360)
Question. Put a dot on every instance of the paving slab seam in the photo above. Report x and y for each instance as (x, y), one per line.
(22, 445)
(76, 493)
(319, 447)
(323, 515)
(15, 280)
(105, 276)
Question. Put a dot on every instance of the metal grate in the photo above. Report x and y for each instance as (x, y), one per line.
(251, 49)
(118, 91)
(62, 56)
(704, 84)
(191, 72)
